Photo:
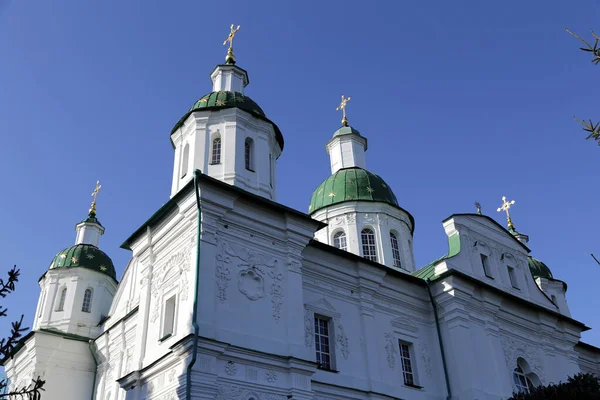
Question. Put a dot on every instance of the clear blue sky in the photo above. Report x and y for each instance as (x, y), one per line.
(461, 101)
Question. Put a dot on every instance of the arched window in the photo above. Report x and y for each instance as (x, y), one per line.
(61, 300)
(249, 157)
(216, 150)
(523, 378)
(368, 244)
(87, 301)
(395, 250)
(339, 240)
(185, 160)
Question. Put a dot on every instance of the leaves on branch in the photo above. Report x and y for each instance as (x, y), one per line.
(7, 345)
(593, 129)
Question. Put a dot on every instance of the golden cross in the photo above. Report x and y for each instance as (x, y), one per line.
(505, 207)
(94, 195)
(342, 107)
(95, 192)
(231, 35)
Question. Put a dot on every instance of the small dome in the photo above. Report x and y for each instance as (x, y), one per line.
(84, 256)
(351, 184)
(225, 99)
(539, 269)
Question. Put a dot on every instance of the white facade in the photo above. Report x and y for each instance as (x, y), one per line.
(234, 298)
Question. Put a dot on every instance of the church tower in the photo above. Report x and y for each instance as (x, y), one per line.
(78, 288)
(361, 210)
(227, 136)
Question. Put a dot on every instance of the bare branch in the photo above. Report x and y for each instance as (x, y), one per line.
(595, 259)
(30, 392)
(593, 129)
(584, 42)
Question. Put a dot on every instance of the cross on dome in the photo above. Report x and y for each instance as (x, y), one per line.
(505, 207)
(342, 107)
(230, 59)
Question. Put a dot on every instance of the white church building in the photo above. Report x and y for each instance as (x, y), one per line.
(230, 295)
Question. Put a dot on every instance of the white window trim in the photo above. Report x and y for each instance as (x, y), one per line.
(212, 149)
(163, 337)
(324, 309)
(377, 249)
(396, 263)
(91, 289)
(337, 231)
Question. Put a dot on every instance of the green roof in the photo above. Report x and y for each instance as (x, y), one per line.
(428, 271)
(225, 99)
(351, 184)
(84, 256)
(348, 130)
(539, 269)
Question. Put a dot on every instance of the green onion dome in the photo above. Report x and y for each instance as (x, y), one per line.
(84, 256)
(225, 99)
(539, 269)
(353, 184)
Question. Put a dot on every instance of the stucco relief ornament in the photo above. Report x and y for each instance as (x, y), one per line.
(180, 264)
(514, 350)
(351, 218)
(309, 329)
(342, 340)
(426, 359)
(390, 349)
(271, 376)
(251, 284)
(230, 368)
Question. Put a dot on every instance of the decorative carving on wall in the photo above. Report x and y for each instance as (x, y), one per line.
(171, 375)
(390, 349)
(351, 218)
(180, 263)
(361, 343)
(404, 324)
(270, 376)
(232, 392)
(251, 284)
(309, 329)
(230, 368)
(337, 221)
(370, 219)
(426, 359)
(342, 339)
(513, 349)
(256, 266)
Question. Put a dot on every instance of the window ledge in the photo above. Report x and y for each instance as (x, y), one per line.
(162, 339)
(413, 386)
(328, 369)
(250, 169)
(215, 163)
(490, 277)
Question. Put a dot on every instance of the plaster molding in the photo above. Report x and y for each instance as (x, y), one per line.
(390, 349)
(179, 264)
(514, 349)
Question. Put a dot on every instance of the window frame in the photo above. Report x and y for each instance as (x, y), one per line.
(409, 378)
(395, 245)
(485, 264)
(87, 309)
(163, 321)
(330, 343)
(341, 236)
(214, 150)
(60, 306)
(512, 277)
(372, 247)
(185, 161)
(249, 154)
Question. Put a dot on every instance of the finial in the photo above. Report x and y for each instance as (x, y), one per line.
(94, 195)
(230, 59)
(505, 207)
(478, 207)
(342, 107)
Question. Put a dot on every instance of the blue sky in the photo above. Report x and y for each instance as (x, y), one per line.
(461, 101)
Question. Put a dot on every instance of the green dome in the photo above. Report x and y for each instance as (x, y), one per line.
(84, 256)
(539, 269)
(224, 99)
(351, 184)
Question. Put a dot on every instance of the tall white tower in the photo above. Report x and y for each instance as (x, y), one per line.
(227, 135)
(361, 211)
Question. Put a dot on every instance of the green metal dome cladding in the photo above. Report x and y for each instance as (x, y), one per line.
(225, 99)
(351, 184)
(84, 256)
(539, 269)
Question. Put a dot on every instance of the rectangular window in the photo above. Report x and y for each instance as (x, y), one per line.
(486, 266)
(169, 318)
(322, 342)
(407, 368)
(513, 277)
